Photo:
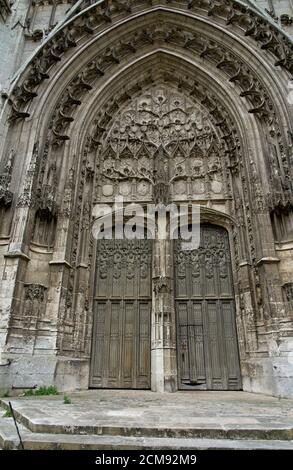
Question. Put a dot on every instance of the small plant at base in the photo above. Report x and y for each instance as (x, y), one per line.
(41, 391)
(46, 391)
(7, 414)
(66, 400)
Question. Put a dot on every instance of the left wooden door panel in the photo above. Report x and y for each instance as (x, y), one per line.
(122, 315)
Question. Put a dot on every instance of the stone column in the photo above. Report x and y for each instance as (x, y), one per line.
(268, 267)
(59, 265)
(163, 344)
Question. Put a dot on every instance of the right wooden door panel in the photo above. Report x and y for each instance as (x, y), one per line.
(207, 348)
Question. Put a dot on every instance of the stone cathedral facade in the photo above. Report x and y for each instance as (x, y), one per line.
(157, 101)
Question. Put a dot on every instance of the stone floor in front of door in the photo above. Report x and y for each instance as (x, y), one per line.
(128, 419)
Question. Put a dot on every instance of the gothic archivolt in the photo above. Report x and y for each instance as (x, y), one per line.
(103, 16)
(100, 17)
(236, 71)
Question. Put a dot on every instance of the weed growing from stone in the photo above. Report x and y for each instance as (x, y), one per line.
(41, 391)
(7, 414)
(66, 400)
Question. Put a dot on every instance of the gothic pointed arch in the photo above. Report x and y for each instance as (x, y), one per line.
(153, 101)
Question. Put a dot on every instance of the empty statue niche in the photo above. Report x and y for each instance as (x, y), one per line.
(44, 228)
(282, 223)
(5, 220)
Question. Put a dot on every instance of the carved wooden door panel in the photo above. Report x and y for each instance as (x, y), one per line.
(122, 315)
(207, 347)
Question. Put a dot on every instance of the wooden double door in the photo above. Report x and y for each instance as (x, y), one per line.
(122, 315)
(207, 347)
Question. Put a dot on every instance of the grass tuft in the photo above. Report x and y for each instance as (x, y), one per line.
(7, 414)
(66, 400)
(41, 391)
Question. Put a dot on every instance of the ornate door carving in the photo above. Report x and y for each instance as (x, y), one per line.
(207, 348)
(122, 316)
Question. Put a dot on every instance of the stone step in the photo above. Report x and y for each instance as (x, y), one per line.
(43, 441)
(201, 432)
(117, 424)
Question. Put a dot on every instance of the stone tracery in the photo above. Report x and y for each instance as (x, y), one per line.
(161, 140)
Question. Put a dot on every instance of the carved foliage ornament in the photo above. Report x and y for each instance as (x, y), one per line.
(114, 257)
(39, 191)
(35, 292)
(205, 270)
(6, 195)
